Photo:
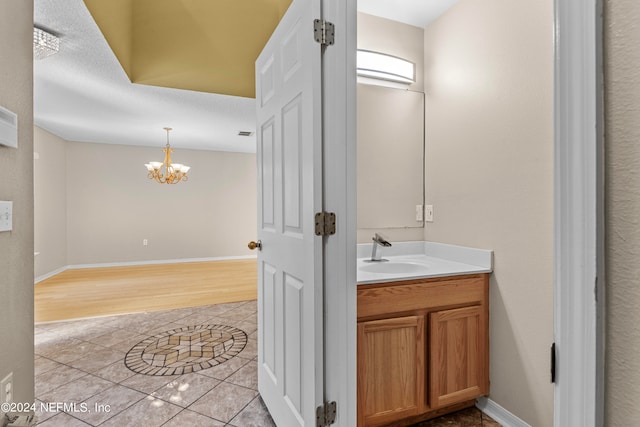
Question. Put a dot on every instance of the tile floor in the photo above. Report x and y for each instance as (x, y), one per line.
(82, 362)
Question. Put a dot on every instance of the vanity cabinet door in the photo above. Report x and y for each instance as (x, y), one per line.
(458, 356)
(391, 370)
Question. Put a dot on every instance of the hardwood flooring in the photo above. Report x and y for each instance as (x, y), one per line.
(82, 293)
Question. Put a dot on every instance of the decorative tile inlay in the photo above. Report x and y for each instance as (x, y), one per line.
(185, 350)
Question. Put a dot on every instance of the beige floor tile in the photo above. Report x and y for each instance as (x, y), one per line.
(192, 419)
(41, 412)
(101, 352)
(149, 412)
(160, 328)
(215, 310)
(224, 402)
(197, 319)
(109, 403)
(62, 420)
(185, 389)
(223, 370)
(126, 345)
(55, 378)
(42, 365)
(249, 328)
(250, 351)
(116, 372)
(55, 344)
(72, 351)
(44, 339)
(254, 415)
(147, 383)
(115, 337)
(144, 327)
(100, 359)
(77, 390)
(247, 376)
(236, 315)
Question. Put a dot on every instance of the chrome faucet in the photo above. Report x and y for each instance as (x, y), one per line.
(376, 251)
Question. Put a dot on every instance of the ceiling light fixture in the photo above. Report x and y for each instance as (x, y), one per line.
(173, 172)
(44, 43)
(385, 67)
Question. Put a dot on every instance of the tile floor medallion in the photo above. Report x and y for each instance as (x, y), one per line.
(186, 350)
(91, 362)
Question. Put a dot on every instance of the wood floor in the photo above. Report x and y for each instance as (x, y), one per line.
(93, 292)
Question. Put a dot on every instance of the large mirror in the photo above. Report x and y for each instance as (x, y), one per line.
(390, 176)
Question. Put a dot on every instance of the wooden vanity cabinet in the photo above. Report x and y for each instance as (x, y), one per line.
(423, 348)
(391, 369)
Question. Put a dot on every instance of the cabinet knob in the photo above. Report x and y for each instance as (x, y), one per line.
(253, 245)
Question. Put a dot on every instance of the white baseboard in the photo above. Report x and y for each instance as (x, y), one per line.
(50, 274)
(499, 414)
(131, 263)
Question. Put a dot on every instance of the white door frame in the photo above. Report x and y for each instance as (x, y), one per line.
(339, 168)
(578, 215)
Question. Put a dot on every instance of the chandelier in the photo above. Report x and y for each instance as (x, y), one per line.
(44, 43)
(166, 172)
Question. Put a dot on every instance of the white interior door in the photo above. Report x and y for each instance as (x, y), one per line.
(289, 154)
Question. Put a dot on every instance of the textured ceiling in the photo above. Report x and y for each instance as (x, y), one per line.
(418, 13)
(84, 94)
(202, 45)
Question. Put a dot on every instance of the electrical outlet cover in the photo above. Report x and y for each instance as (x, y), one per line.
(6, 216)
(6, 389)
(428, 213)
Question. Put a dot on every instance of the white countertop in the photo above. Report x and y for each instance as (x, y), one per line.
(421, 260)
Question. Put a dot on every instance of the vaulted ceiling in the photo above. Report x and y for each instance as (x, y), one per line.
(147, 64)
(200, 45)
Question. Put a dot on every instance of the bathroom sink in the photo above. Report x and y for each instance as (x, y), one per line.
(394, 267)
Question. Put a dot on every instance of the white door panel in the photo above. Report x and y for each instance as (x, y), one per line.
(290, 335)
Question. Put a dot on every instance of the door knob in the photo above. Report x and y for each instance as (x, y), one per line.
(252, 245)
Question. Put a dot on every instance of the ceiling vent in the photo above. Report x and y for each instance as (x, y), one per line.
(245, 133)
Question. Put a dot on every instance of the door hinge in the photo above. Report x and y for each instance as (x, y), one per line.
(325, 223)
(323, 32)
(326, 414)
(553, 363)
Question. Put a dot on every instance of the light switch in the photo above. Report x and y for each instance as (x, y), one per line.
(6, 216)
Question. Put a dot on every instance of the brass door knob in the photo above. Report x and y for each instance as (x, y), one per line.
(252, 245)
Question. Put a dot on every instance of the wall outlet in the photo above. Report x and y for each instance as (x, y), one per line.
(419, 212)
(6, 389)
(145, 242)
(428, 213)
(6, 216)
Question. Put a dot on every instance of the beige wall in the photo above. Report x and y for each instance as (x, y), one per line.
(489, 175)
(94, 204)
(112, 206)
(393, 38)
(405, 41)
(622, 107)
(16, 184)
(50, 201)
